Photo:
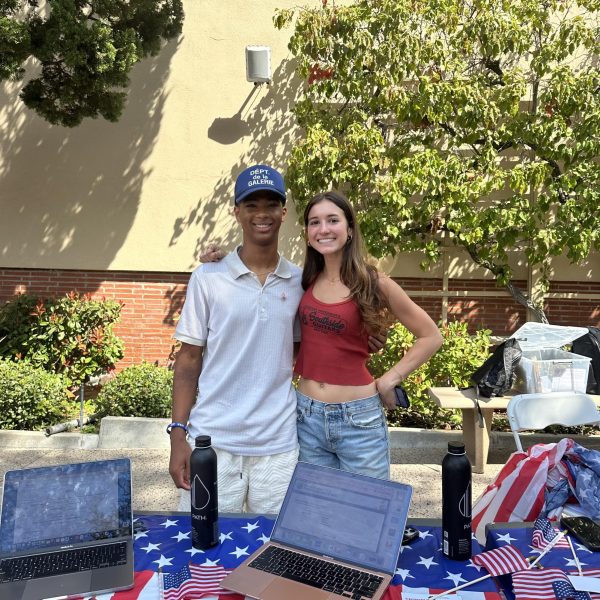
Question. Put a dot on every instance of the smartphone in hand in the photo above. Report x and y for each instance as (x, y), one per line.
(584, 529)
(402, 400)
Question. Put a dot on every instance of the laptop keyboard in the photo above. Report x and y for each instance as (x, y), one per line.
(318, 573)
(65, 561)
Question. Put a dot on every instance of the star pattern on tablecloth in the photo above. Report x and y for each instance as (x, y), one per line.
(169, 523)
(456, 578)
(140, 534)
(167, 543)
(404, 573)
(426, 562)
(240, 552)
(571, 562)
(473, 565)
(181, 535)
(583, 548)
(505, 537)
(163, 561)
(225, 536)
(169, 547)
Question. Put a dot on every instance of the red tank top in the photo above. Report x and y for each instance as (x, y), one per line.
(334, 346)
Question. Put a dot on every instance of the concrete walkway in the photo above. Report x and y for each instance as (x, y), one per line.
(416, 458)
(154, 490)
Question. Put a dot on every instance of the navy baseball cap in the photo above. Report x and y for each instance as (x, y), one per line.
(259, 178)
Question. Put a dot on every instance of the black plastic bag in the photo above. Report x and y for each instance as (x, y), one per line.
(497, 374)
(589, 345)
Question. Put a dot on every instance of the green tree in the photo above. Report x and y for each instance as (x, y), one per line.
(84, 51)
(468, 122)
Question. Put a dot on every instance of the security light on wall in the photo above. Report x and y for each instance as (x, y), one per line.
(258, 64)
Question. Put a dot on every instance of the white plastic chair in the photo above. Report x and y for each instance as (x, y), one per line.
(536, 411)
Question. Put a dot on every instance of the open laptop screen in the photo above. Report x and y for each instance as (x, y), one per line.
(349, 517)
(64, 505)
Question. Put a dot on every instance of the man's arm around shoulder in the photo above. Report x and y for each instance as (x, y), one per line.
(188, 366)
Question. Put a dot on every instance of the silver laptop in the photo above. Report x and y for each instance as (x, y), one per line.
(66, 530)
(338, 535)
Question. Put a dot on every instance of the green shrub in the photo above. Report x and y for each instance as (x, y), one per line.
(30, 397)
(72, 335)
(139, 391)
(460, 354)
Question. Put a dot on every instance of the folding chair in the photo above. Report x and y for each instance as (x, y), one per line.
(536, 411)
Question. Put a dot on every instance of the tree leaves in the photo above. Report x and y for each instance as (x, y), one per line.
(474, 122)
(85, 50)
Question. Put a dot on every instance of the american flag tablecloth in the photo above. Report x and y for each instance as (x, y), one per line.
(560, 556)
(165, 542)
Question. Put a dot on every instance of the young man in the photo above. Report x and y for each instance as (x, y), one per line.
(233, 372)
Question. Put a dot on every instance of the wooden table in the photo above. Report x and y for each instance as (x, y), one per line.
(476, 438)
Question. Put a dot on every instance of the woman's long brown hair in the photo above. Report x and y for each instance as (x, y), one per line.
(355, 273)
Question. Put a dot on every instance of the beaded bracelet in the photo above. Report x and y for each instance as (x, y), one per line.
(176, 424)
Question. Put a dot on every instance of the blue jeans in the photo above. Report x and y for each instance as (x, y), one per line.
(351, 436)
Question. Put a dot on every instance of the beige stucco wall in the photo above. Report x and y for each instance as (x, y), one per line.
(459, 265)
(145, 193)
(148, 192)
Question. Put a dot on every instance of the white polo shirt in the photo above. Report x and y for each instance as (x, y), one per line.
(246, 401)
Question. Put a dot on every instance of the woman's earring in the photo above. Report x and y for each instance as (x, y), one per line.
(348, 240)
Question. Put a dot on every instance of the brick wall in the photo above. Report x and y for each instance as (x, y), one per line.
(581, 309)
(151, 303)
(153, 300)
(482, 304)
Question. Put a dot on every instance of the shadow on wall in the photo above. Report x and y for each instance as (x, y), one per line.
(78, 189)
(271, 127)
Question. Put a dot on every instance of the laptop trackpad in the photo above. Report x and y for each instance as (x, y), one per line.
(61, 585)
(291, 590)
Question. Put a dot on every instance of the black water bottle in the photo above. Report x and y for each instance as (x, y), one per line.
(205, 508)
(456, 503)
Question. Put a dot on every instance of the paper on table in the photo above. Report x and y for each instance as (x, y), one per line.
(417, 596)
(583, 583)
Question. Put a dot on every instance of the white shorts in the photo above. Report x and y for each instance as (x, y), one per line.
(250, 483)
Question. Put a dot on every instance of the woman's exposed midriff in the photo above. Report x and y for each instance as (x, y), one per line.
(327, 392)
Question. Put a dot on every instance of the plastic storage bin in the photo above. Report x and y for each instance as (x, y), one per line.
(544, 367)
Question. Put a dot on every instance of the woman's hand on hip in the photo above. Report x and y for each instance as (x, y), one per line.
(385, 389)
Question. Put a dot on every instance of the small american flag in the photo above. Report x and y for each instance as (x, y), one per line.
(589, 573)
(545, 584)
(195, 581)
(544, 533)
(502, 561)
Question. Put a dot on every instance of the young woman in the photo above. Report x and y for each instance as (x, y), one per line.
(341, 422)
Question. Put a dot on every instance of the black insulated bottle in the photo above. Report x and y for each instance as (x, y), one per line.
(456, 503)
(205, 508)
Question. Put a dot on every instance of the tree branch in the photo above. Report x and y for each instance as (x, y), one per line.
(555, 166)
(513, 290)
(496, 270)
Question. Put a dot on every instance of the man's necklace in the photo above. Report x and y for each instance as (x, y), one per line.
(259, 273)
